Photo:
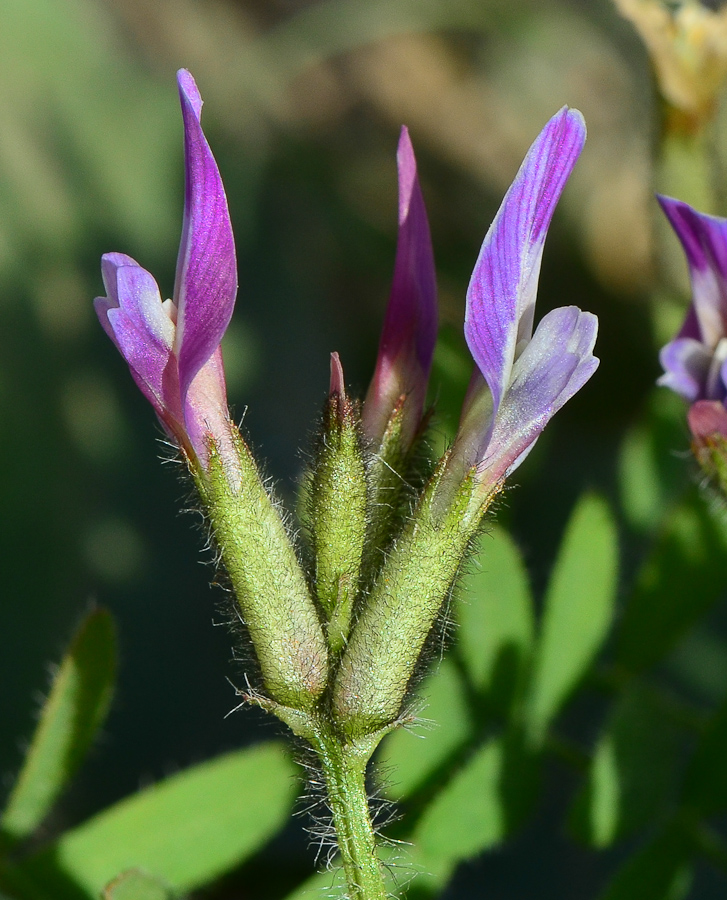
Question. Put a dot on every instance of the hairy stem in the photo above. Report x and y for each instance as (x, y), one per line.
(344, 767)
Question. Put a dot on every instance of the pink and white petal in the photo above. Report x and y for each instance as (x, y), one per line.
(133, 316)
(110, 264)
(206, 280)
(475, 424)
(553, 367)
(101, 306)
(501, 294)
(206, 414)
(133, 289)
(147, 360)
(686, 363)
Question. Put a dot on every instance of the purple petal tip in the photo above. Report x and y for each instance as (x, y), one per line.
(189, 91)
(409, 334)
(407, 167)
(206, 282)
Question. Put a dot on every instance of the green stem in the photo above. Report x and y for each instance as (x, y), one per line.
(344, 767)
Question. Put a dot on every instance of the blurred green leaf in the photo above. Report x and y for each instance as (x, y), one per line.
(650, 473)
(641, 490)
(705, 785)
(478, 798)
(578, 611)
(659, 871)
(187, 830)
(633, 775)
(682, 577)
(467, 816)
(328, 883)
(134, 884)
(496, 619)
(451, 372)
(478, 807)
(74, 711)
(414, 755)
(68, 159)
(699, 661)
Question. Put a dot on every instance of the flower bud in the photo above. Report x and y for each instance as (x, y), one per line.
(399, 386)
(268, 581)
(416, 580)
(708, 424)
(338, 509)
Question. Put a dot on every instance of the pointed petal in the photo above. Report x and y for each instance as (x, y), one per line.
(206, 281)
(704, 239)
(134, 318)
(409, 334)
(501, 294)
(686, 363)
(553, 367)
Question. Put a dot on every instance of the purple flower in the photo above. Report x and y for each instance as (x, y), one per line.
(410, 327)
(695, 362)
(173, 347)
(522, 379)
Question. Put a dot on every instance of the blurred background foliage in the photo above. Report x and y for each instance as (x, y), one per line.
(303, 105)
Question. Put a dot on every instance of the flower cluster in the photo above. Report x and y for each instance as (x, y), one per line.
(521, 379)
(351, 624)
(339, 631)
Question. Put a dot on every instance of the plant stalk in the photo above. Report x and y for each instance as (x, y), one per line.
(344, 767)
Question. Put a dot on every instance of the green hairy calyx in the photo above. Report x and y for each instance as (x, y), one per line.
(339, 631)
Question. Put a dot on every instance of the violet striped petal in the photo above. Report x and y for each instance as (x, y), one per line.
(501, 294)
(206, 281)
(554, 366)
(704, 239)
(409, 333)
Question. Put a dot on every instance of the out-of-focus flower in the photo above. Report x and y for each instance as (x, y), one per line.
(409, 334)
(522, 379)
(173, 347)
(695, 362)
(688, 48)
